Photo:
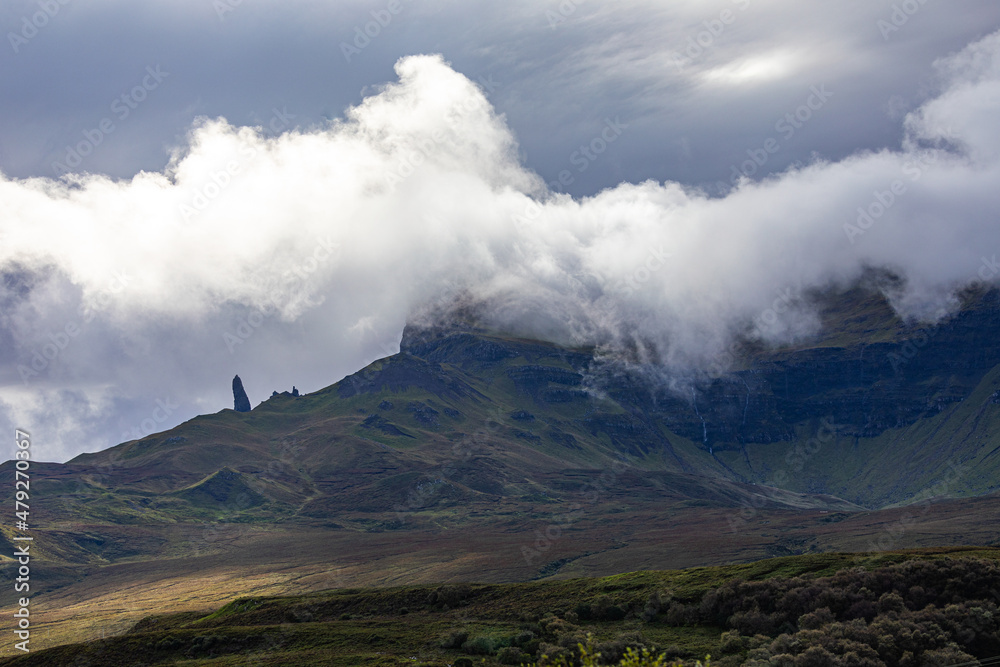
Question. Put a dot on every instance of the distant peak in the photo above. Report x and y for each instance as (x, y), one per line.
(446, 317)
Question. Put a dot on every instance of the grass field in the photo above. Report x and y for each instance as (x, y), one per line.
(429, 625)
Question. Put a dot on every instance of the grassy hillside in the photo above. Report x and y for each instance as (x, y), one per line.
(685, 614)
(472, 455)
(872, 410)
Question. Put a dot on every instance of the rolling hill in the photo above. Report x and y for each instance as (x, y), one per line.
(473, 455)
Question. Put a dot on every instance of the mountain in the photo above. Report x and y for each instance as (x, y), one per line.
(476, 455)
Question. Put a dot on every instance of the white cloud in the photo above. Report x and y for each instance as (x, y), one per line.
(311, 248)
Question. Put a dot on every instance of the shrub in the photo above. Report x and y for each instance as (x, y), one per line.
(454, 596)
(603, 609)
(653, 606)
(618, 648)
(455, 639)
(733, 642)
(523, 638)
(815, 620)
(169, 643)
(527, 641)
(510, 655)
(481, 646)
(890, 602)
(587, 655)
(910, 613)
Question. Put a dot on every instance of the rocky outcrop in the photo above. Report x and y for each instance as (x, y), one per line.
(294, 393)
(241, 402)
(868, 371)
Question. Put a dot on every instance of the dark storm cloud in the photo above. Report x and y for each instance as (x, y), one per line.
(559, 71)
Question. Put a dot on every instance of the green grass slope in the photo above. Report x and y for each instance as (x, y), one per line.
(684, 614)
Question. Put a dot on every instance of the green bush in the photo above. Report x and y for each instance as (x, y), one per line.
(733, 642)
(455, 639)
(481, 646)
(915, 612)
(588, 655)
(603, 609)
(511, 655)
(523, 638)
(617, 649)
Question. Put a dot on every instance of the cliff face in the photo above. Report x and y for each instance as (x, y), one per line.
(871, 410)
(865, 383)
(868, 385)
(873, 376)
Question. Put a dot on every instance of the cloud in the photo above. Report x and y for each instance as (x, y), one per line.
(295, 258)
(555, 83)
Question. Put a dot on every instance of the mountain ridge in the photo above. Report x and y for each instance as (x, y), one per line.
(477, 454)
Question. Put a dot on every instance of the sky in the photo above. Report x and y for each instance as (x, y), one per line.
(191, 189)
